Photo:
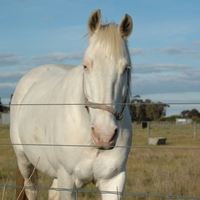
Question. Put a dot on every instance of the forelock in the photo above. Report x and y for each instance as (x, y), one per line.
(109, 39)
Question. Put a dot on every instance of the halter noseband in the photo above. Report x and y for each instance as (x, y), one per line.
(110, 109)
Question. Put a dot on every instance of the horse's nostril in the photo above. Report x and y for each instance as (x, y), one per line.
(95, 135)
(115, 135)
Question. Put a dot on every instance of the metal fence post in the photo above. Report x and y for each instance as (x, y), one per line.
(76, 195)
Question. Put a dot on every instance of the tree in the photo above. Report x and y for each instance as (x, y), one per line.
(146, 110)
(185, 113)
(3, 109)
(194, 113)
(137, 109)
(11, 96)
(133, 108)
(155, 111)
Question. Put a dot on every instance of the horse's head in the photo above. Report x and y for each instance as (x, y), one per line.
(106, 77)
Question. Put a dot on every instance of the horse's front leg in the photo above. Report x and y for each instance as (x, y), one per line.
(112, 188)
(66, 184)
(53, 194)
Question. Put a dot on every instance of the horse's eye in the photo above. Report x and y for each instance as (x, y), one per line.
(84, 66)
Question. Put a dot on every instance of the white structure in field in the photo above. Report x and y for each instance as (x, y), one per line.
(5, 118)
(183, 121)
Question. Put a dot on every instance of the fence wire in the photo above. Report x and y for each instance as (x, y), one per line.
(94, 146)
(85, 104)
(4, 186)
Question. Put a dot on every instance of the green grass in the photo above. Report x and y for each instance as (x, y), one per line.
(153, 171)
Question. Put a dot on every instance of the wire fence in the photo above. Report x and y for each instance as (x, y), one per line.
(81, 191)
(5, 187)
(76, 191)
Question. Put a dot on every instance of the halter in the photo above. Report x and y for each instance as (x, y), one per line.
(110, 109)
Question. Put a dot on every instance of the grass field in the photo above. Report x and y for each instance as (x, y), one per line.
(149, 170)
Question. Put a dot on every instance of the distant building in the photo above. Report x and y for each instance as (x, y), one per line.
(183, 121)
(5, 118)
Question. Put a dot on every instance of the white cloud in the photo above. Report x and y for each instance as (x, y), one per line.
(197, 42)
(7, 54)
(11, 74)
(11, 77)
(137, 51)
(185, 81)
(177, 50)
(7, 85)
(146, 68)
(184, 97)
(56, 57)
(9, 58)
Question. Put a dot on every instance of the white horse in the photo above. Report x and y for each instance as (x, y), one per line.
(80, 112)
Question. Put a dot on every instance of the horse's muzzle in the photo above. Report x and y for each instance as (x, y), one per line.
(104, 140)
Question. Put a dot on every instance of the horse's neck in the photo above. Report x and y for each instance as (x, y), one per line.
(73, 95)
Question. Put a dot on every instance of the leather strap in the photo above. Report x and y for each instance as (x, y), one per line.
(110, 109)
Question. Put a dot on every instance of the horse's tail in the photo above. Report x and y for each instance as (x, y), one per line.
(20, 192)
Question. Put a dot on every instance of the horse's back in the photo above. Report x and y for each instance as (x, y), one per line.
(39, 75)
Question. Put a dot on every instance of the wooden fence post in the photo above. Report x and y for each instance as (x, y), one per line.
(148, 132)
(195, 130)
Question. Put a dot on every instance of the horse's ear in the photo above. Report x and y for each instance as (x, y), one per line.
(125, 27)
(94, 21)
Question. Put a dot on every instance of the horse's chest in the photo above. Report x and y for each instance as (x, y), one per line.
(83, 174)
(94, 169)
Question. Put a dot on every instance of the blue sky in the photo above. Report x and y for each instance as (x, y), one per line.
(164, 45)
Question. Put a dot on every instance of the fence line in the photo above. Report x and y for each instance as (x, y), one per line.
(77, 191)
(4, 186)
(94, 146)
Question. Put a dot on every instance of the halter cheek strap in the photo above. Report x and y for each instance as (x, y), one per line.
(110, 109)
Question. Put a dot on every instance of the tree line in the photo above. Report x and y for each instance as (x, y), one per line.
(147, 110)
(194, 114)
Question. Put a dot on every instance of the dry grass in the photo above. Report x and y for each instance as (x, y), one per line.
(153, 171)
